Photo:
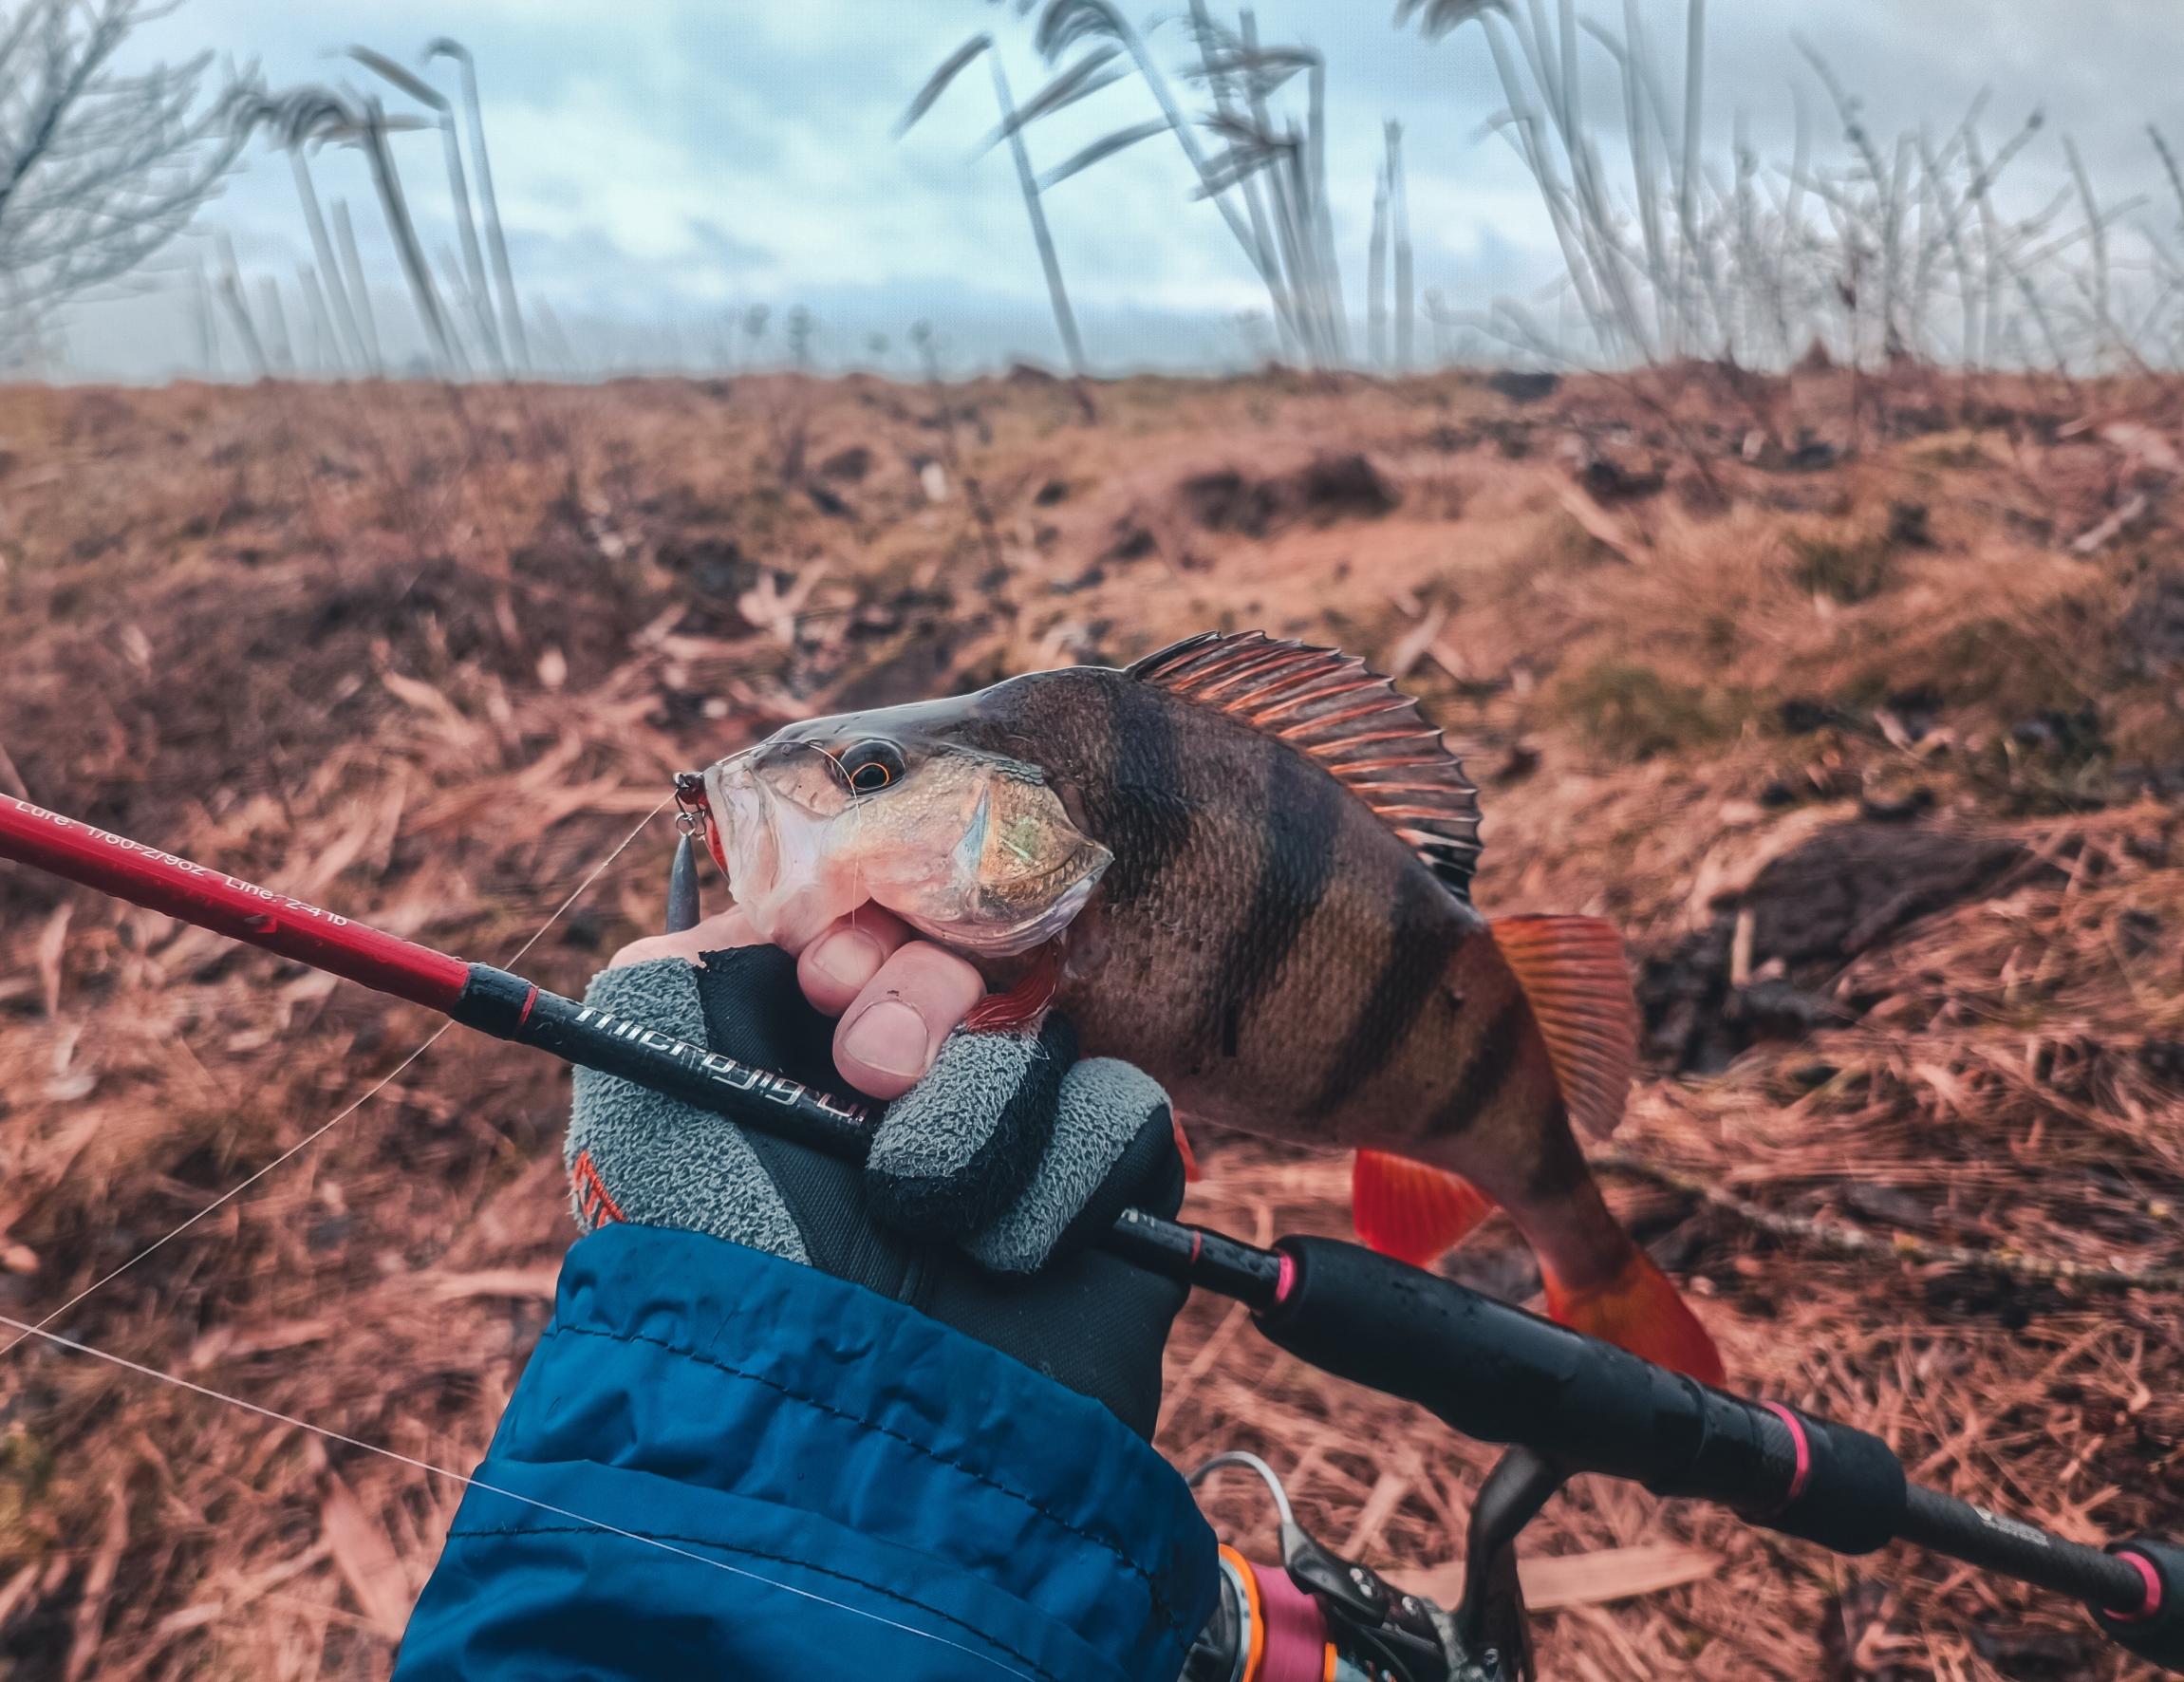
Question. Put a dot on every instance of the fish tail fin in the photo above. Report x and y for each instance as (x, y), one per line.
(1638, 1309)
(1411, 1210)
(1577, 980)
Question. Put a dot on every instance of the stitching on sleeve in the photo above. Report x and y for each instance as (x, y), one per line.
(969, 1628)
(1165, 1612)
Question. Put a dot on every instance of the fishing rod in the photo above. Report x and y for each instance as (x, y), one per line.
(1567, 1404)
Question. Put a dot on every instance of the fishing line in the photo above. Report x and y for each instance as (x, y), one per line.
(25, 1330)
(309, 1139)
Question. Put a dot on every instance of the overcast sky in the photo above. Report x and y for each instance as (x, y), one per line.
(662, 162)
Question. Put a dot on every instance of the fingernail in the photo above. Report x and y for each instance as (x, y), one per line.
(848, 957)
(891, 1038)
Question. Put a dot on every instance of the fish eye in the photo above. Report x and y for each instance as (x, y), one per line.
(872, 766)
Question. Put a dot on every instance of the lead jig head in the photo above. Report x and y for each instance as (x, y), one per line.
(689, 801)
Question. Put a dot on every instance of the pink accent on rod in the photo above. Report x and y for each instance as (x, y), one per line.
(1803, 1444)
(2153, 1602)
(1284, 1277)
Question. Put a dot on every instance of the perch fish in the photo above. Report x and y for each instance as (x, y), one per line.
(1243, 865)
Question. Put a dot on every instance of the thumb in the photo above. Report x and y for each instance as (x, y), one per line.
(960, 1147)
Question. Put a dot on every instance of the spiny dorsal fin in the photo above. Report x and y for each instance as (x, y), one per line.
(1356, 722)
(1577, 983)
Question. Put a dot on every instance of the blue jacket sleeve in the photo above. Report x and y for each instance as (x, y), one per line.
(722, 1464)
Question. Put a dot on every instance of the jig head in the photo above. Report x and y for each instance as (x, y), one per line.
(689, 801)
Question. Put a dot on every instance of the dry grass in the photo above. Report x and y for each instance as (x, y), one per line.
(427, 655)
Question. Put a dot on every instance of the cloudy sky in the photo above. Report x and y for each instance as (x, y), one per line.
(662, 164)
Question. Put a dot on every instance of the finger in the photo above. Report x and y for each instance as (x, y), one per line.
(835, 969)
(717, 933)
(894, 1029)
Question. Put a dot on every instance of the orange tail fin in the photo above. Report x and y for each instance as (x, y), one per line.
(1410, 1210)
(1640, 1310)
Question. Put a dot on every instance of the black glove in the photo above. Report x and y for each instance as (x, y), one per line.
(985, 1185)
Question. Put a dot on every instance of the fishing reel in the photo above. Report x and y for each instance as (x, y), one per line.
(1319, 1617)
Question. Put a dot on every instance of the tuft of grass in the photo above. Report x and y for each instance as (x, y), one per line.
(2014, 669)
(1844, 571)
(25, 1477)
(1631, 712)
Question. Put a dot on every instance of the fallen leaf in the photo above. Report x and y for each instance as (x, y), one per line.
(2114, 525)
(496, 1282)
(1560, 1581)
(1420, 637)
(52, 942)
(228, 1343)
(1599, 524)
(2145, 444)
(365, 1558)
(99, 1584)
(1379, 1507)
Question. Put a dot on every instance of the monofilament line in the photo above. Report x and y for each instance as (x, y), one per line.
(24, 1329)
(314, 1137)
(235, 1191)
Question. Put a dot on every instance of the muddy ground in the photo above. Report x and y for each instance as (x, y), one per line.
(1859, 703)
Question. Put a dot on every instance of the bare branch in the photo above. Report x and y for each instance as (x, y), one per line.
(97, 169)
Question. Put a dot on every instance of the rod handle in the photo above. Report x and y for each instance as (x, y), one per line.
(1500, 1374)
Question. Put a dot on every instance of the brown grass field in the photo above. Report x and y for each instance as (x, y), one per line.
(1857, 703)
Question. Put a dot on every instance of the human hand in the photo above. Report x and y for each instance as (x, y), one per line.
(999, 1146)
(897, 998)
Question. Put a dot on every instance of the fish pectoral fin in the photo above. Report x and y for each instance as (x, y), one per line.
(1411, 1210)
(1577, 983)
(1193, 1173)
(1022, 1007)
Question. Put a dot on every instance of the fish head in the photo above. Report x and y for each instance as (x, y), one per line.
(897, 808)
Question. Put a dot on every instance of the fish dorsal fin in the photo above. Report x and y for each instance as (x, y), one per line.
(1354, 721)
(1577, 983)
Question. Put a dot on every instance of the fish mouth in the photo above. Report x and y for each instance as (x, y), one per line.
(1012, 938)
(737, 827)
(773, 852)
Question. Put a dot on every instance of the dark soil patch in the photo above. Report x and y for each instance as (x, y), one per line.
(1325, 490)
(1841, 893)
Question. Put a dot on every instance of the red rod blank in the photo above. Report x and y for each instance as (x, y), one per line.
(227, 904)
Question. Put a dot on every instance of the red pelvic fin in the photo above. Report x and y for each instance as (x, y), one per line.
(1410, 1210)
(1577, 983)
(1640, 1310)
(1024, 1006)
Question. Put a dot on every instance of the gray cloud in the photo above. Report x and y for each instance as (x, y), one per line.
(662, 161)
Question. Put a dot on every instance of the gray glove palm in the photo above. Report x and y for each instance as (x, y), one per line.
(1010, 1151)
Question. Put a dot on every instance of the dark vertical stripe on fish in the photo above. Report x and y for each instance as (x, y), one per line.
(1561, 1167)
(1304, 809)
(1494, 1054)
(1417, 962)
(1139, 815)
